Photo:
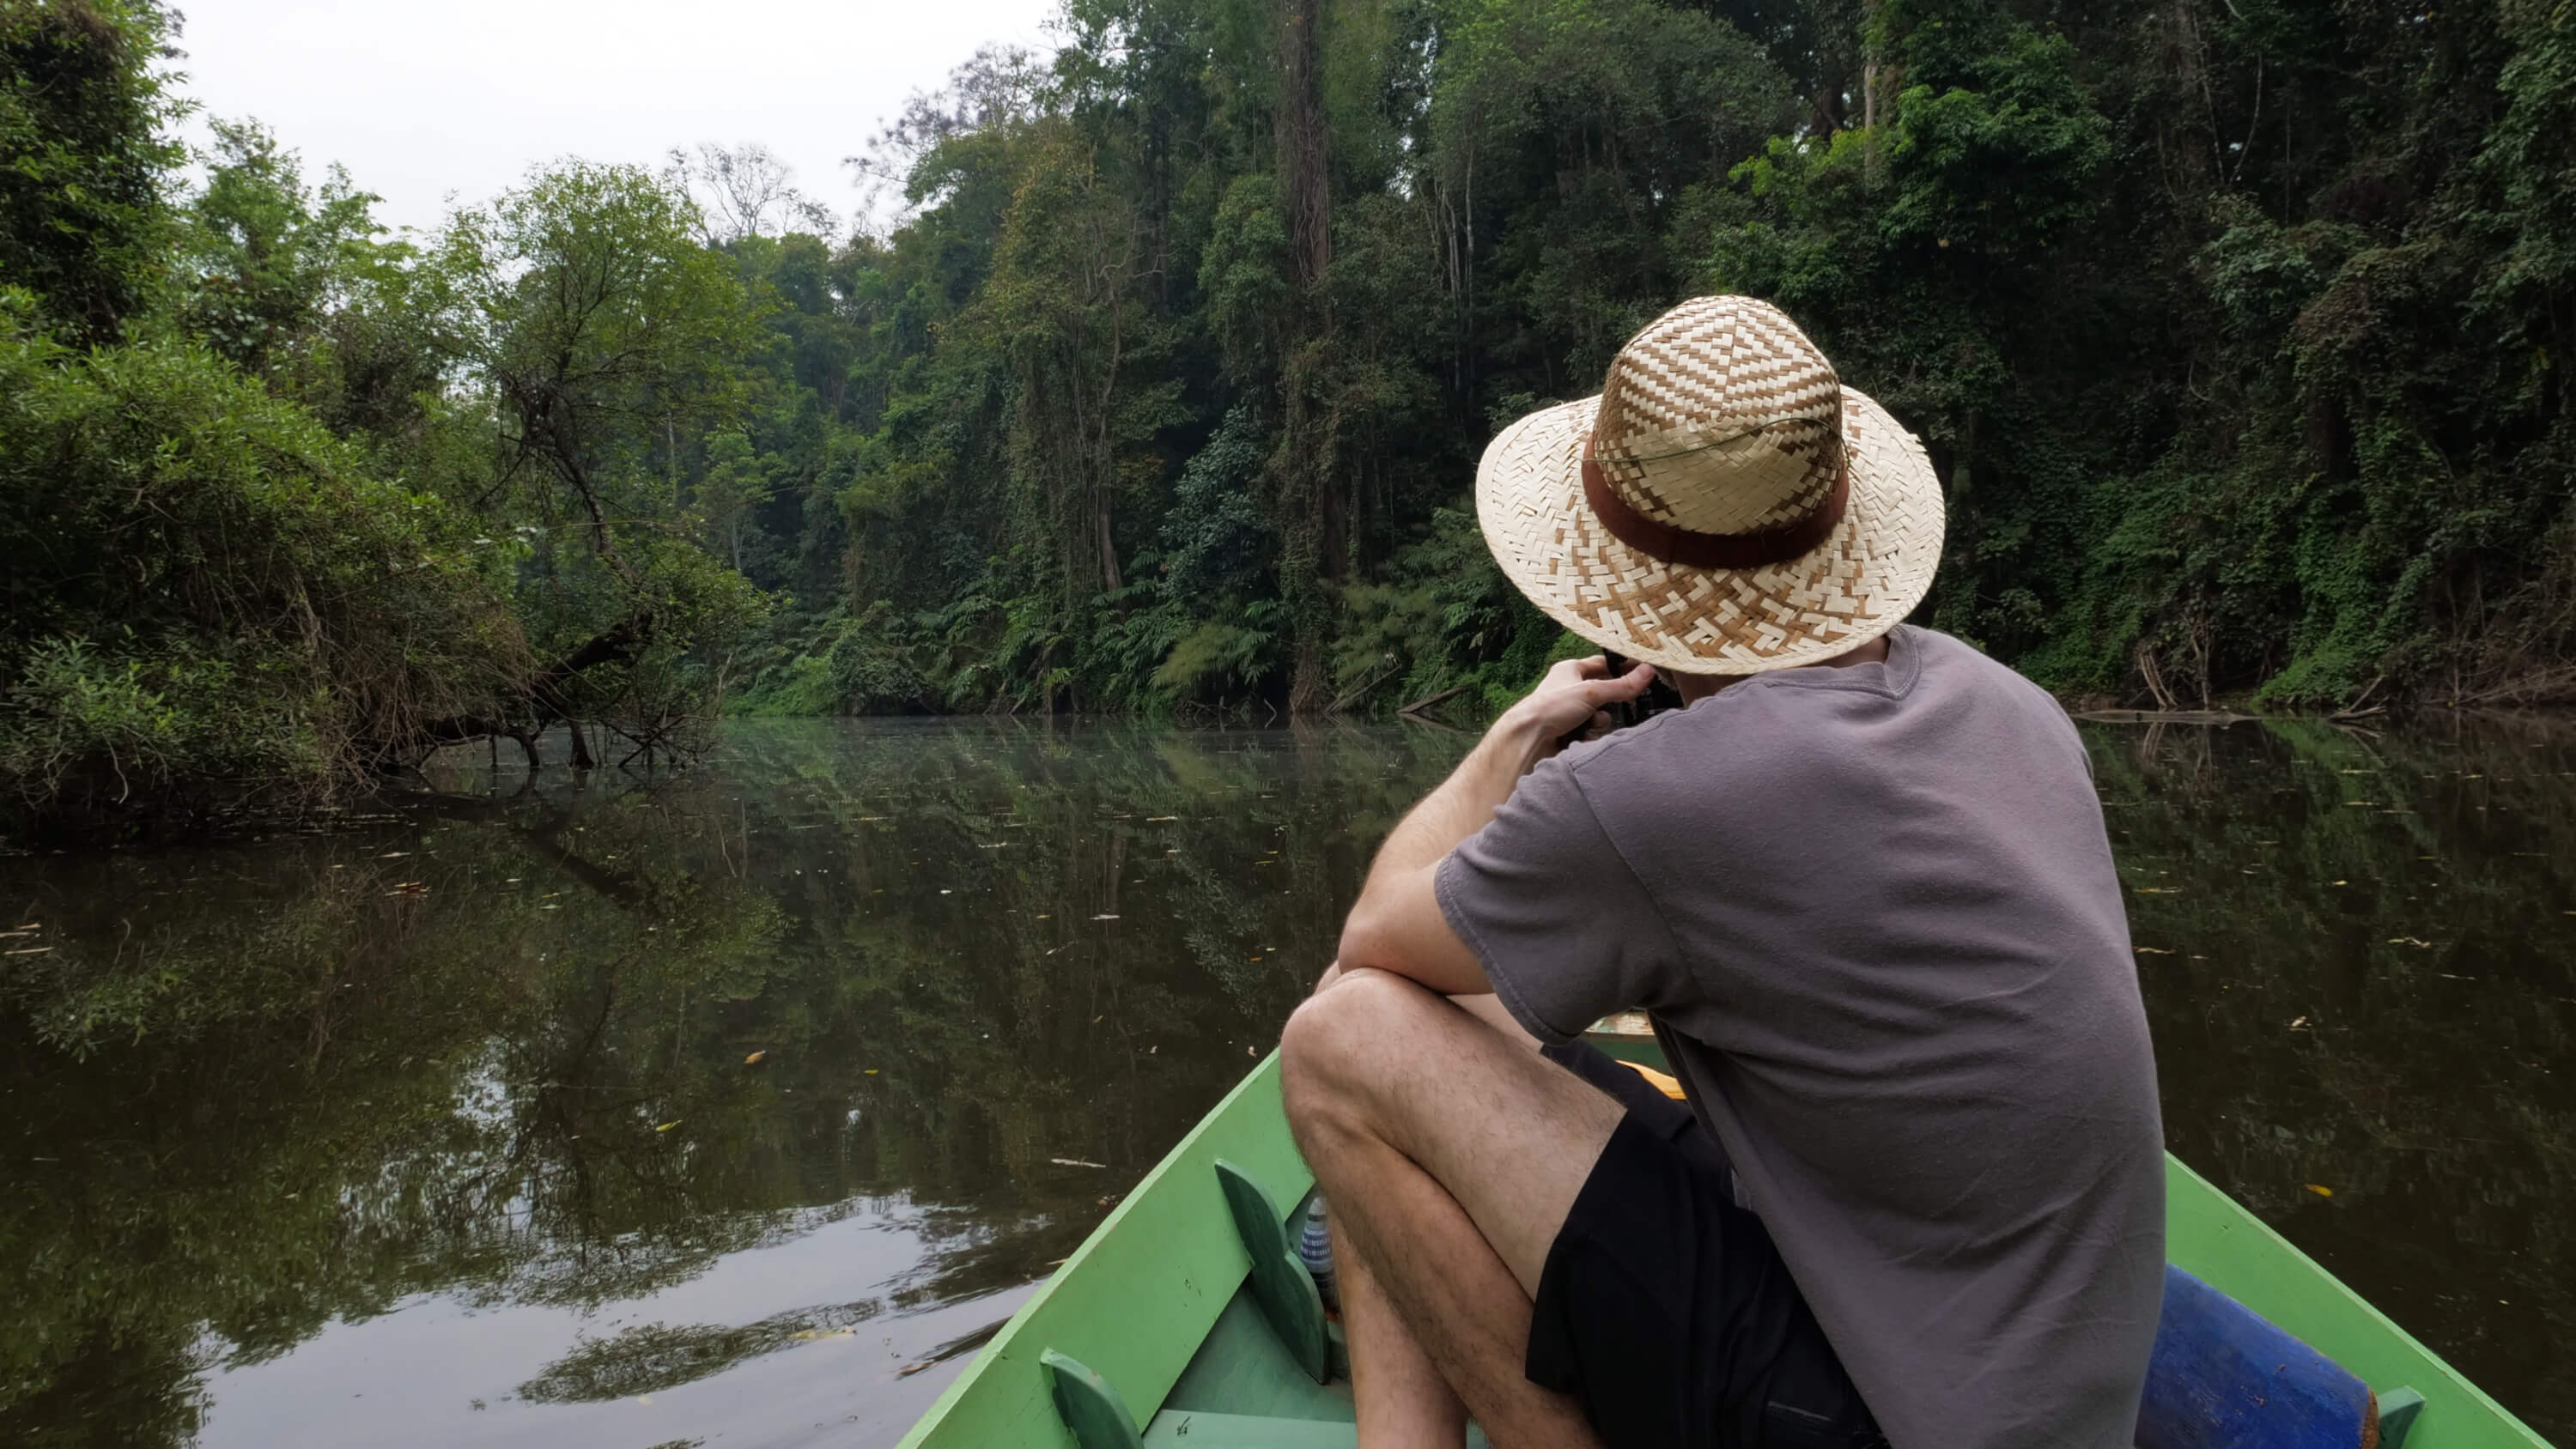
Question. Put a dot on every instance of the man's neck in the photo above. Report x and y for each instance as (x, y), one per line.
(1695, 687)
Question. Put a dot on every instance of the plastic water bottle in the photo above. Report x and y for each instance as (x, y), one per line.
(1315, 1250)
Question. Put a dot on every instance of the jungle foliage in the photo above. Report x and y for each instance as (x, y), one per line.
(2233, 330)
(288, 503)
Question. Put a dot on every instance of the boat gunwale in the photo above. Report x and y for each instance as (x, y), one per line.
(2222, 1242)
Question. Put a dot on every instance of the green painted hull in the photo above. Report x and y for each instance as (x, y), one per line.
(1151, 1303)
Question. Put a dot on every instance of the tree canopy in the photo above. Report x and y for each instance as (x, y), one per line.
(1159, 379)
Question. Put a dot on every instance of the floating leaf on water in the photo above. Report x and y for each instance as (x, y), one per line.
(667, 1126)
(1076, 1162)
(754, 1059)
(1159, 819)
(2160, 890)
(2320, 1191)
(393, 855)
(2408, 941)
(1104, 916)
(2151, 950)
(2338, 882)
(943, 890)
(2299, 1025)
(27, 951)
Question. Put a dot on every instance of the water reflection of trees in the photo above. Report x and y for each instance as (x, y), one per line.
(497, 1048)
(257, 1088)
(2361, 969)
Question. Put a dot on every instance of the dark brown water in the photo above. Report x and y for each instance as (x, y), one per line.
(444, 1128)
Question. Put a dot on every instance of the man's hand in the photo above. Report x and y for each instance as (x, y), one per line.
(1571, 701)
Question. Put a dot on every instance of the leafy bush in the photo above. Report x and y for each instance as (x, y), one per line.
(210, 594)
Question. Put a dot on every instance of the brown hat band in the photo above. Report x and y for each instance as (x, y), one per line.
(1693, 549)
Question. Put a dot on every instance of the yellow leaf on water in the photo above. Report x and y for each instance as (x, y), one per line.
(667, 1126)
(870, 1072)
(2320, 1191)
(754, 1059)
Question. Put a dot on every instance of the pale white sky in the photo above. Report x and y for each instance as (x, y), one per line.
(423, 100)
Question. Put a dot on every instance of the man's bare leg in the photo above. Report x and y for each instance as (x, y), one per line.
(1398, 1390)
(1487, 1008)
(1450, 1156)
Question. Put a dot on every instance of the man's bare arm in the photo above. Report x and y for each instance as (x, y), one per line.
(1397, 924)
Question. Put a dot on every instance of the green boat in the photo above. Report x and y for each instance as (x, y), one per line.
(1165, 1329)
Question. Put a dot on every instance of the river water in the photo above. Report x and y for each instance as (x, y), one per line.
(734, 1108)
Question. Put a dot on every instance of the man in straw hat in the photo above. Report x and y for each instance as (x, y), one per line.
(1862, 886)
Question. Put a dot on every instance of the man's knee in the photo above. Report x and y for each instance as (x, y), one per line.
(1333, 1038)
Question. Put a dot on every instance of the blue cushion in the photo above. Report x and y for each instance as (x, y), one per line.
(2223, 1378)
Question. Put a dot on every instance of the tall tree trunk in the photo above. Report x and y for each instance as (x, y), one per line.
(1300, 125)
(1305, 446)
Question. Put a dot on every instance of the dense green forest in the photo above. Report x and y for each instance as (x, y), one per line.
(2233, 329)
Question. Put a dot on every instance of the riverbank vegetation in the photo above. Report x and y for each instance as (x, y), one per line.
(2235, 332)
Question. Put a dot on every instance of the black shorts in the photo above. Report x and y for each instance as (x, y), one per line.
(1665, 1308)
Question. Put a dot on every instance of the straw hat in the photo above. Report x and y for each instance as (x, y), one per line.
(1725, 506)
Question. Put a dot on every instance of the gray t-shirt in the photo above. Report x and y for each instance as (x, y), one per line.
(1873, 913)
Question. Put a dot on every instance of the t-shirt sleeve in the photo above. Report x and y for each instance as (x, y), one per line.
(1565, 932)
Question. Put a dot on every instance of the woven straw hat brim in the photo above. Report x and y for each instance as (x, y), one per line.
(1856, 585)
